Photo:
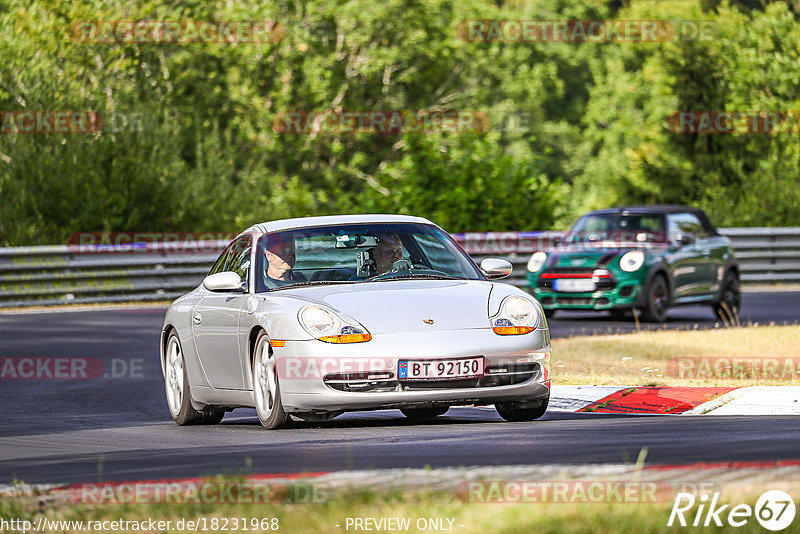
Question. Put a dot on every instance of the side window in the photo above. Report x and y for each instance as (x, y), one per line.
(239, 260)
(685, 223)
(219, 265)
(235, 258)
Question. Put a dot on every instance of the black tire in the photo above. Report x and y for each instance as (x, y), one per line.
(270, 410)
(186, 415)
(424, 413)
(549, 312)
(730, 298)
(517, 412)
(317, 417)
(656, 300)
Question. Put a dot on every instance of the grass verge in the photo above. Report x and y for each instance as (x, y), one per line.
(419, 507)
(753, 356)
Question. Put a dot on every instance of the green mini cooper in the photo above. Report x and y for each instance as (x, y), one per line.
(642, 258)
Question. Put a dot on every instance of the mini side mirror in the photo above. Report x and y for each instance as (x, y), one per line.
(495, 268)
(685, 239)
(225, 281)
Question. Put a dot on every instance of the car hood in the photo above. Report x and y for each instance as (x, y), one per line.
(405, 305)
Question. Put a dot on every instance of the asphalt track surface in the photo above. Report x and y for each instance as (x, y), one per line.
(119, 428)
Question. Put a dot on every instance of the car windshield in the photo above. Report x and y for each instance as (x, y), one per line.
(359, 253)
(634, 227)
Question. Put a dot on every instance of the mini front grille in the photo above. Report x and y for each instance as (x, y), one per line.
(574, 300)
(601, 284)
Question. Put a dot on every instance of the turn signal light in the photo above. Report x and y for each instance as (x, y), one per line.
(346, 338)
(512, 330)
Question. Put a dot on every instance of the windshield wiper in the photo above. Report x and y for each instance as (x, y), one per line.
(414, 275)
(311, 283)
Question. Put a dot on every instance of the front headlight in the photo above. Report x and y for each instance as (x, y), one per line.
(536, 262)
(631, 261)
(517, 316)
(318, 321)
(327, 326)
(519, 310)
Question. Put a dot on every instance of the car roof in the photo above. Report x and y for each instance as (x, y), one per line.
(329, 220)
(650, 208)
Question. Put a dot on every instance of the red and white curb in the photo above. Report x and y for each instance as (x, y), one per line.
(752, 400)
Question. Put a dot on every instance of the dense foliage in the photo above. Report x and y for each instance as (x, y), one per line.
(207, 156)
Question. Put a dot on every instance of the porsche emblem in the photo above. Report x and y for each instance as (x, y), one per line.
(427, 321)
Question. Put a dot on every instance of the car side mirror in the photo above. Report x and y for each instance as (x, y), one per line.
(685, 239)
(225, 281)
(495, 268)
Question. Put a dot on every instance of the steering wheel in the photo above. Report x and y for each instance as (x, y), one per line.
(401, 266)
(398, 267)
(421, 268)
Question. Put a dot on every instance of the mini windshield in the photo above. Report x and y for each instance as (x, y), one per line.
(621, 227)
(359, 253)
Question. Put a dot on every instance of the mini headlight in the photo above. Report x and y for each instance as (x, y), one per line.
(536, 262)
(318, 322)
(631, 261)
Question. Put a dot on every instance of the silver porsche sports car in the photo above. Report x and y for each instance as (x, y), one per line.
(317, 316)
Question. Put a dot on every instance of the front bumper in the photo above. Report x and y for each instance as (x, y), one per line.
(322, 377)
(619, 292)
(596, 300)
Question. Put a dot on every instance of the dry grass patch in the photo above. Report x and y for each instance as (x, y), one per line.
(657, 358)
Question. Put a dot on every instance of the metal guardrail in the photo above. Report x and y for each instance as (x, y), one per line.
(66, 274)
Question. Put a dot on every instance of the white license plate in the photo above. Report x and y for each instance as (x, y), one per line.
(574, 285)
(439, 369)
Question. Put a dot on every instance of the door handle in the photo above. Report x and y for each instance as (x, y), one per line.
(706, 252)
(197, 318)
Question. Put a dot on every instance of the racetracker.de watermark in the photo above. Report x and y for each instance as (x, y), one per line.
(575, 491)
(197, 492)
(63, 121)
(177, 31)
(564, 31)
(309, 367)
(71, 122)
(743, 368)
(148, 242)
(69, 368)
(735, 122)
(585, 31)
(529, 242)
(381, 121)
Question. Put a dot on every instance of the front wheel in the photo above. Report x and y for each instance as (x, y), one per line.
(516, 412)
(730, 300)
(266, 388)
(179, 395)
(656, 301)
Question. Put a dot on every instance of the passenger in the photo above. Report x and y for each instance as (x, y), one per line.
(388, 251)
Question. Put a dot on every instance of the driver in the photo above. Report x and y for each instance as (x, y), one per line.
(279, 252)
(387, 252)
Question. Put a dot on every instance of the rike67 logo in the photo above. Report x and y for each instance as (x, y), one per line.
(774, 510)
